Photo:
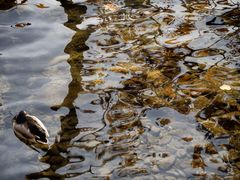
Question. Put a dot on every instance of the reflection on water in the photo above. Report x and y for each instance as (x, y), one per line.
(153, 90)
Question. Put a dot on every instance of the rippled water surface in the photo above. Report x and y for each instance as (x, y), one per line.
(127, 89)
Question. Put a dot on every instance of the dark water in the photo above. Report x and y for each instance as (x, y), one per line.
(127, 89)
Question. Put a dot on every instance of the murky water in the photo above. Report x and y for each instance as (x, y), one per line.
(128, 89)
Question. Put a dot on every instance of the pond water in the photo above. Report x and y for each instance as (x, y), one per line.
(141, 89)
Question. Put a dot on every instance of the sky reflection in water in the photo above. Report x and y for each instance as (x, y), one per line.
(127, 89)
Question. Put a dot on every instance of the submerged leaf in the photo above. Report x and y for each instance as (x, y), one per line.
(213, 127)
(225, 87)
(201, 102)
(197, 161)
(111, 7)
(210, 149)
(118, 69)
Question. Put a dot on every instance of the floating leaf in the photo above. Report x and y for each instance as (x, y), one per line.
(164, 122)
(22, 25)
(187, 139)
(42, 6)
(225, 87)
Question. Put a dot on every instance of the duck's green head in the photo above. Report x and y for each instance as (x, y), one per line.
(21, 117)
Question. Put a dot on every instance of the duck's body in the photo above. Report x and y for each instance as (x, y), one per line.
(30, 129)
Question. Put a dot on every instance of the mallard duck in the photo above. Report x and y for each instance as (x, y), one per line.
(30, 129)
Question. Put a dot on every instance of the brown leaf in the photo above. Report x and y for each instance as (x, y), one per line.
(40, 5)
(164, 122)
(22, 25)
(187, 139)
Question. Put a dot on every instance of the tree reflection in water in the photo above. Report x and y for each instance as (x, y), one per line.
(69, 122)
